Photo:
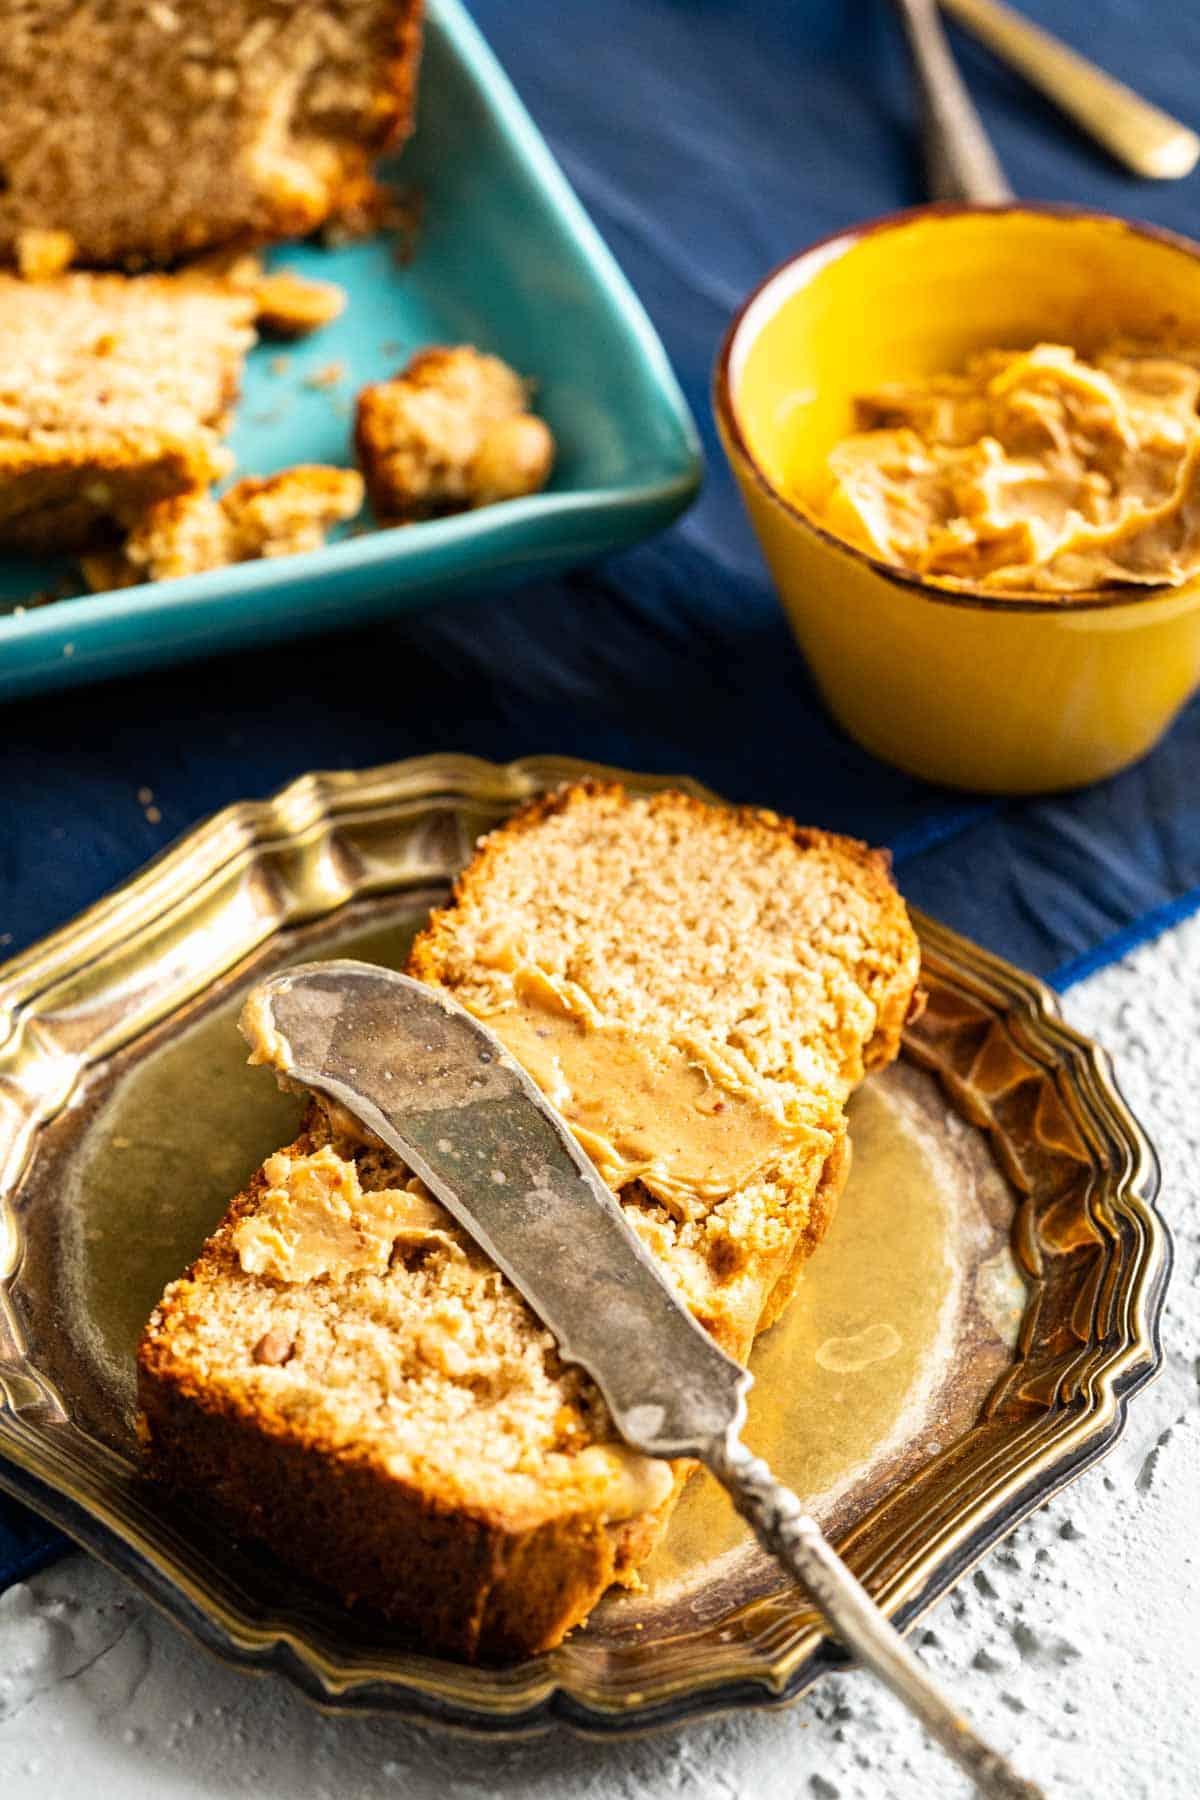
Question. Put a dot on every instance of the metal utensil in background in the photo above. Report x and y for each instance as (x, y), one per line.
(1143, 137)
(960, 163)
(441, 1091)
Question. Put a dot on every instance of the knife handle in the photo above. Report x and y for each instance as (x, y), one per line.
(795, 1540)
(960, 162)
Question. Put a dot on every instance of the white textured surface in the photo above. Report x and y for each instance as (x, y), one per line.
(1076, 1644)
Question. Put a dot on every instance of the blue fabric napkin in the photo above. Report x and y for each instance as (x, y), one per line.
(709, 139)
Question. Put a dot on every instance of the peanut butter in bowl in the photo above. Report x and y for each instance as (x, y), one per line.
(1031, 470)
(966, 438)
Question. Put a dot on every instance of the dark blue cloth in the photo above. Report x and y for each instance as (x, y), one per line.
(710, 139)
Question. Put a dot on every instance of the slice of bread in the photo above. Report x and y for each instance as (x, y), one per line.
(346, 1374)
(114, 394)
(148, 129)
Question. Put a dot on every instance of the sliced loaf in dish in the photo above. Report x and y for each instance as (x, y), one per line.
(145, 130)
(114, 394)
(354, 1384)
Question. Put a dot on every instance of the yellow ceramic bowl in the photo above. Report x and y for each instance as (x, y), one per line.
(1020, 693)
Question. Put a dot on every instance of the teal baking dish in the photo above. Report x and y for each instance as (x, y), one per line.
(506, 258)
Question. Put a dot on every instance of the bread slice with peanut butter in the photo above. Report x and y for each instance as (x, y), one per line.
(698, 989)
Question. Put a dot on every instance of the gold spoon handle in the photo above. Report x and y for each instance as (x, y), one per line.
(1143, 137)
(960, 163)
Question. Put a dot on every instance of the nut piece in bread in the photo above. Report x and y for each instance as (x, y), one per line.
(261, 515)
(452, 431)
(345, 1374)
(114, 394)
(149, 131)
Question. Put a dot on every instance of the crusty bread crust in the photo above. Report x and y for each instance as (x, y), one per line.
(464, 1578)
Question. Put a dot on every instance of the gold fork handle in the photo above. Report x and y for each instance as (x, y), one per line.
(960, 163)
(1143, 137)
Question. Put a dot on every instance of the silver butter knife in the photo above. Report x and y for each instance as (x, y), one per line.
(440, 1090)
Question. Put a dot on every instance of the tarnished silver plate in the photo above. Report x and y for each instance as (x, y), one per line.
(966, 1339)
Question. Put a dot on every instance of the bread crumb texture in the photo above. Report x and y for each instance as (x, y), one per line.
(261, 515)
(114, 394)
(148, 132)
(352, 1379)
(452, 431)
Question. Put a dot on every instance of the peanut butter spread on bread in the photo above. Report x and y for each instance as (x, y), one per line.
(315, 1220)
(1031, 470)
(672, 1115)
(344, 1370)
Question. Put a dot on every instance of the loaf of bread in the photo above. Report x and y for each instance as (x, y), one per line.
(147, 129)
(352, 1382)
(114, 394)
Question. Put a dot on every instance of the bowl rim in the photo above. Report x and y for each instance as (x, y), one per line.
(830, 248)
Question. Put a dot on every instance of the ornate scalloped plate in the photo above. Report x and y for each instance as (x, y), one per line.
(967, 1339)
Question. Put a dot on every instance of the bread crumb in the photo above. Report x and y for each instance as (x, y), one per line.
(260, 516)
(153, 816)
(327, 377)
(366, 208)
(452, 431)
(63, 589)
(282, 514)
(291, 305)
(404, 221)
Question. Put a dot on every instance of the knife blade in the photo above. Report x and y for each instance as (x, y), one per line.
(425, 1078)
(438, 1088)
